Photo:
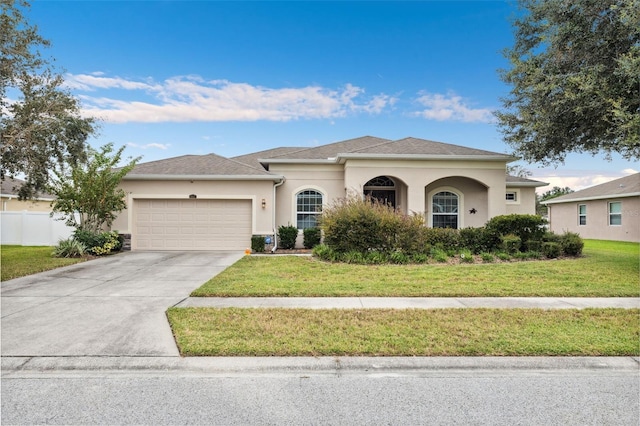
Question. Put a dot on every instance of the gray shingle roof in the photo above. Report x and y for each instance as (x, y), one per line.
(627, 186)
(196, 165)
(333, 149)
(11, 186)
(520, 181)
(251, 159)
(415, 146)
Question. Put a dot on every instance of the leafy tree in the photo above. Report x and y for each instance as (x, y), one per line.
(575, 77)
(41, 127)
(519, 171)
(554, 192)
(91, 189)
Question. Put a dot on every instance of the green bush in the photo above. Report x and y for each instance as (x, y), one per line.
(311, 237)
(526, 226)
(534, 245)
(439, 255)
(487, 257)
(69, 248)
(399, 258)
(419, 258)
(478, 240)
(571, 244)
(446, 239)
(551, 250)
(353, 256)
(364, 225)
(511, 243)
(376, 258)
(503, 256)
(257, 243)
(466, 256)
(287, 236)
(326, 253)
(99, 243)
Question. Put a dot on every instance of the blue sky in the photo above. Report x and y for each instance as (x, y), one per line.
(173, 78)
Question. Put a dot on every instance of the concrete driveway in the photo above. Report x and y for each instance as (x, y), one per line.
(112, 306)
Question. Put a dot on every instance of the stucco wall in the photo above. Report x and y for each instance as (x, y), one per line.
(15, 205)
(327, 179)
(526, 202)
(481, 183)
(253, 190)
(564, 217)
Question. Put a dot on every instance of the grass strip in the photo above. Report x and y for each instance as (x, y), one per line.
(607, 269)
(409, 332)
(20, 261)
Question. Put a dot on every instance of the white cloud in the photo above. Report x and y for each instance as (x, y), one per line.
(162, 146)
(191, 98)
(450, 107)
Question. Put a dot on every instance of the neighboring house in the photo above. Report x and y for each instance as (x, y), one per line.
(10, 202)
(610, 211)
(208, 202)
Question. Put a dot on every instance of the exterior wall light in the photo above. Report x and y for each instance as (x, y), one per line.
(264, 203)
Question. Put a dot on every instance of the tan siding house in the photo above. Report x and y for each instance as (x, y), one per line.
(610, 211)
(9, 201)
(210, 202)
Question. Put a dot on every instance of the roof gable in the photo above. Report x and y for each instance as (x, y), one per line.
(416, 146)
(332, 150)
(627, 186)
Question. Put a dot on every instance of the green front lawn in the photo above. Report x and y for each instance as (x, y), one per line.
(607, 269)
(409, 332)
(19, 261)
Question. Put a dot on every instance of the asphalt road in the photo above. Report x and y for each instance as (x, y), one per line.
(467, 391)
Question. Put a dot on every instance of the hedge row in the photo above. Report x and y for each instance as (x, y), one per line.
(366, 226)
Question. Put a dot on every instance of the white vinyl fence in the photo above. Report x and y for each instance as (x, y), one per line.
(33, 228)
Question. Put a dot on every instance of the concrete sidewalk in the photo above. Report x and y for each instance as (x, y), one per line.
(413, 302)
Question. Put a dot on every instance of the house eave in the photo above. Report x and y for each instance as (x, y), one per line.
(296, 161)
(594, 198)
(526, 184)
(274, 178)
(422, 157)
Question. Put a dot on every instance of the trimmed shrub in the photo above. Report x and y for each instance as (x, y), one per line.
(364, 225)
(511, 243)
(257, 243)
(478, 240)
(446, 239)
(526, 226)
(551, 250)
(311, 237)
(534, 245)
(287, 236)
(571, 244)
(69, 248)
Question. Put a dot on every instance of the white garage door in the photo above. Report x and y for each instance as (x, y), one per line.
(191, 224)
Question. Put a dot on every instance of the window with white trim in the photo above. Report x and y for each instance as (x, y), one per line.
(512, 196)
(582, 214)
(308, 208)
(615, 213)
(444, 210)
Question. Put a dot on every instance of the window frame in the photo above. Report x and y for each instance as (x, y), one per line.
(516, 197)
(582, 215)
(611, 214)
(298, 211)
(458, 208)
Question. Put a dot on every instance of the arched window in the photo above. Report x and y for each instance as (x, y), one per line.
(381, 188)
(444, 210)
(308, 207)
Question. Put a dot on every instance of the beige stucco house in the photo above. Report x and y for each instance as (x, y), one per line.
(610, 211)
(9, 201)
(208, 202)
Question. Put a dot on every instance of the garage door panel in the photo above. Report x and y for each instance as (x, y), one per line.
(192, 224)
